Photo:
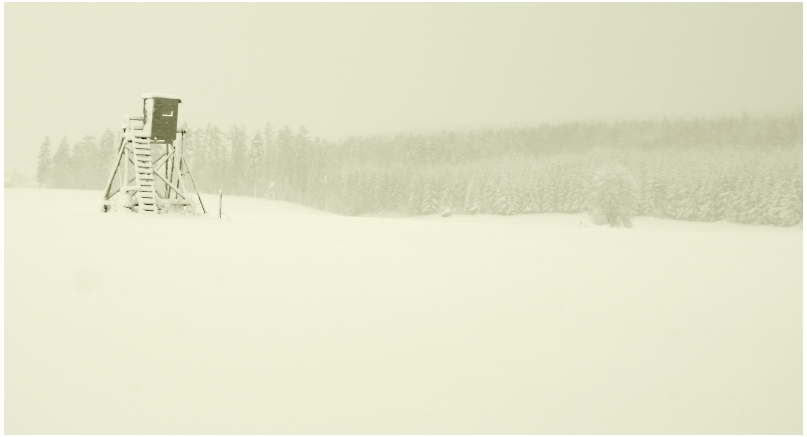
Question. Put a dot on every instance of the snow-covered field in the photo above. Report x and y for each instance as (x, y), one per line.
(290, 320)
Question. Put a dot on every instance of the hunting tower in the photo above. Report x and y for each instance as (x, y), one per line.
(145, 184)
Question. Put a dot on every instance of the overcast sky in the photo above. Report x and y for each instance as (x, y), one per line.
(344, 69)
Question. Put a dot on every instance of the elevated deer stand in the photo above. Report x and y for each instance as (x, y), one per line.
(144, 184)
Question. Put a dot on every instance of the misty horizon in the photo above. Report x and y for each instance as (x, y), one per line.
(30, 172)
(384, 69)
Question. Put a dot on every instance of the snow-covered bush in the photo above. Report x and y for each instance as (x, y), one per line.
(612, 197)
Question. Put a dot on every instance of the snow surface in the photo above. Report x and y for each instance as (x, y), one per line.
(290, 320)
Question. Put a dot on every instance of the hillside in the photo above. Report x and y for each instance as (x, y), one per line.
(285, 319)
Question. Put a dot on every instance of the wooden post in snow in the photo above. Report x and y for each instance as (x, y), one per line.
(220, 197)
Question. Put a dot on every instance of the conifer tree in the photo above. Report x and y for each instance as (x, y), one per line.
(86, 169)
(429, 202)
(270, 155)
(302, 152)
(284, 160)
(472, 200)
(197, 158)
(400, 195)
(504, 202)
(255, 161)
(217, 159)
(106, 157)
(529, 198)
(416, 189)
(61, 171)
(44, 163)
(238, 159)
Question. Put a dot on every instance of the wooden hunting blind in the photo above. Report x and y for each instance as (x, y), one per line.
(160, 111)
(145, 184)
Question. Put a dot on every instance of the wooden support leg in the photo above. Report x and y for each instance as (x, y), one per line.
(111, 178)
(194, 185)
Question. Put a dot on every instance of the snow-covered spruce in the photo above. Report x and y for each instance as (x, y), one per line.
(612, 197)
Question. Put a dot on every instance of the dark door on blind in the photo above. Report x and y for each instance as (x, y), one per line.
(164, 120)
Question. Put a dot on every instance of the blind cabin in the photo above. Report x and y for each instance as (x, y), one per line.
(160, 113)
(150, 173)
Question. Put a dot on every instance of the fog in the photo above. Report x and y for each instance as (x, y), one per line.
(357, 69)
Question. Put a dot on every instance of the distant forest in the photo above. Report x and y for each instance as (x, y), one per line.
(741, 169)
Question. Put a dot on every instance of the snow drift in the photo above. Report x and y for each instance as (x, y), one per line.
(289, 320)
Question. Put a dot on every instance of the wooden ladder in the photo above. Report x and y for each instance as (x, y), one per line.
(144, 176)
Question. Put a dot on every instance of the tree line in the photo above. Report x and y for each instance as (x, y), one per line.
(742, 169)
